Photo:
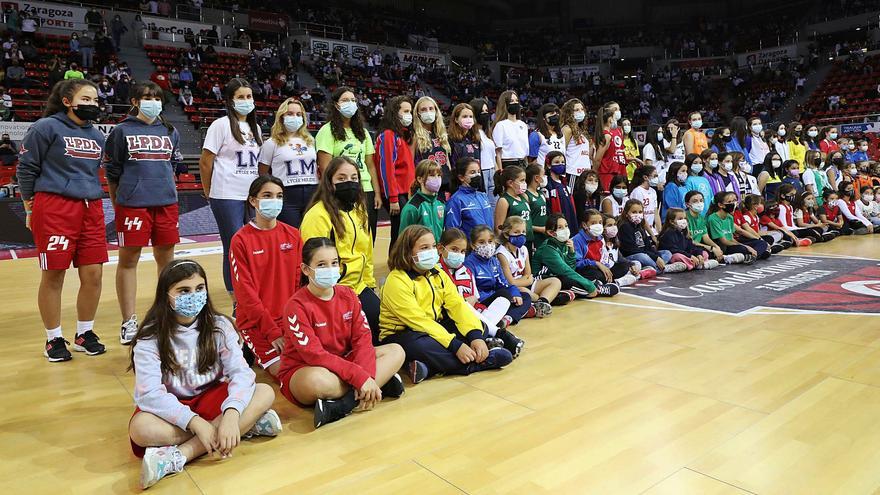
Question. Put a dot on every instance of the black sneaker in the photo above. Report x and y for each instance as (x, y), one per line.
(56, 350)
(248, 355)
(512, 343)
(785, 243)
(749, 259)
(88, 343)
(493, 342)
(330, 410)
(418, 371)
(498, 358)
(394, 387)
(776, 248)
(608, 290)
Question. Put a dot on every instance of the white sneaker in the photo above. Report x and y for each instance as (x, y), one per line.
(734, 259)
(160, 462)
(269, 425)
(627, 279)
(128, 330)
(676, 267)
(710, 265)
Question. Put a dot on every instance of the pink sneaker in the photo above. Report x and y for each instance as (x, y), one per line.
(647, 273)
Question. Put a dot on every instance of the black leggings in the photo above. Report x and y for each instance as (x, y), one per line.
(759, 245)
(620, 269)
(372, 213)
(420, 346)
(370, 305)
(395, 220)
(810, 232)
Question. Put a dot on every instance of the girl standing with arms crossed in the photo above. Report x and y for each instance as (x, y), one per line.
(290, 155)
(139, 158)
(228, 164)
(58, 174)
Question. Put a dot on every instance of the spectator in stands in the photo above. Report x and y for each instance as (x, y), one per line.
(8, 151)
(12, 18)
(122, 89)
(186, 96)
(164, 8)
(86, 48)
(15, 76)
(94, 19)
(56, 70)
(13, 54)
(29, 26)
(103, 48)
(138, 26)
(117, 29)
(74, 47)
(29, 51)
(186, 76)
(215, 90)
(153, 7)
(162, 81)
(105, 91)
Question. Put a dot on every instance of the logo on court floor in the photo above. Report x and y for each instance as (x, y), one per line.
(806, 283)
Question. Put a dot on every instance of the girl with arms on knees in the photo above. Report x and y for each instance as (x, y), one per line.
(699, 230)
(556, 257)
(747, 221)
(139, 159)
(329, 359)
(265, 256)
(611, 252)
(194, 392)
(805, 216)
(721, 230)
(638, 244)
(848, 206)
(58, 174)
(592, 256)
(513, 255)
(675, 239)
(338, 211)
(290, 155)
(430, 140)
(576, 138)
(425, 208)
(394, 159)
(510, 134)
(345, 134)
(468, 206)
(423, 312)
(228, 164)
(609, 152)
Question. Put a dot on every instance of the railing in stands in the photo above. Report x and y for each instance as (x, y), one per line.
(323, 30)
(202, 40)
(849, 119)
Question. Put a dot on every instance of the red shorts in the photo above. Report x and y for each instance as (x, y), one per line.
(67, 229)
(206, 405)
(285, 385)
(264, 354)
(137, 227)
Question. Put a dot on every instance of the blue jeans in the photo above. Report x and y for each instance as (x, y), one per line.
(296, 200)
(86, 56)
(648, 262)
(231, 215)
(489, 185)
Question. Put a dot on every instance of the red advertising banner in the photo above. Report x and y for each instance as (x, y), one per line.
(272, 22)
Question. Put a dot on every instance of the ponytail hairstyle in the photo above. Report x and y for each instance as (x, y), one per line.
(751, 201)
(532, 171)
(502, 178)
(508, 225)
(424, 169)
(784, 190)
(800, 202)
(718, 200)
(605, 113)
(310, 247)
(144, 89)
(65, 89)
(232, 86)
(641, 175)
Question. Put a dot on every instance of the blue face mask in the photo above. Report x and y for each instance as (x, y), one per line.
(558, 169)
(293, 122)
(454, 260)
(270, 208)
(619, 193)
(189, 305)
(151, 108)
(326, 277)
(244, 107)
(518, 240)
(427, 259)
(348, 109)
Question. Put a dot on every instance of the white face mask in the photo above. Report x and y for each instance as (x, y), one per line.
(868, 198)
(591, 187)
(627, 129)
(596, 229)
(713, 163)
(544, 181)
(682, 224)
(406, 119)
(617, 115)
(776, 163)
(728, 166)
(812, 134)
(832, 135)
(697, 207)
(562, 235)
(428, 117)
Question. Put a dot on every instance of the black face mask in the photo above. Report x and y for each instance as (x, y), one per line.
(848, 193)
(838, 161)
(514, 108)
(789, 198)
(727, 139)
(483, 120)
(817, 162)
(476, 182)
(729, 207)
(554, 120)
(347, 193)
(87, 112)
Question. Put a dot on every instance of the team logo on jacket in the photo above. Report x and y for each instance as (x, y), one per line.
(440, 212)
(77, 147)
(286, 246)
(148, 147)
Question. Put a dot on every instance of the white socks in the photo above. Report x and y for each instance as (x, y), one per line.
(84, 326)
(53, 333)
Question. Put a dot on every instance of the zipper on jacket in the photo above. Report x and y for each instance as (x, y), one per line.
(353, 243)
(433, 296)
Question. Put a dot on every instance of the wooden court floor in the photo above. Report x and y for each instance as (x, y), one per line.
(606, 399)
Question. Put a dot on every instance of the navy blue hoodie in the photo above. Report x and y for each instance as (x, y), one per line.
(138, 158)
(57, 156)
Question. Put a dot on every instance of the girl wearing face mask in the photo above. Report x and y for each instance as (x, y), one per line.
(425, 208)
(514, 201)
(576, 138)
(859, 153)
(612, 205)
(696, 180)
(828, 140)
(869, 206)
(720, 138)
(593, 260)
(786, 199)
(811, 137)
(863, 178)
(490, 162)
(329, 359)
(797, 147)
(806, 217)
(431, 142)
(814, 178)
(722, 230)
(510, 134)
(631, 148)
(742, 172)
(464, 137)
(771, 175)
(695, 140)
(558, 197)
(513, 255)
(187, 408)
(852, 212)
(675, 239)
(264, 283)
(62, 194)
(756, 144)
(778, 141)
(228, 164)
(548, 135)
(835, 165)
(468, 206)
(338, 211)
(724, 179)
(557, 256)
(609, 152)
(394, 159)
(586, 193)
(698, 229)
(750, 219)
(290, 155)
(145, 215)
(654, 152)
(345, 134)
(740, 138)
(536, 181)
(637, 242)
(793, 175)
(644, 182)
(424, 313)
(675, 189)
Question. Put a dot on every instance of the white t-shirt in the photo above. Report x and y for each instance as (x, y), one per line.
(759, 151)
(661, 165)
(294, 163)
(577, 156)
(616, 208)
(235, 165)
(678, 156)
(487, 152)
(516, 263)
(554, 143)
(648, 197)
(29, 25)
(513, 139)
